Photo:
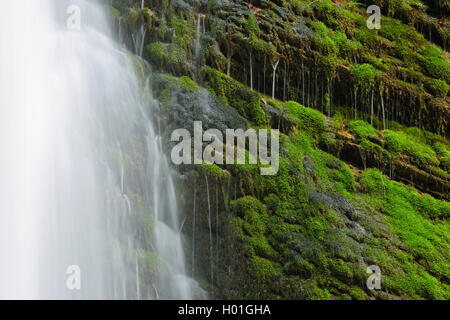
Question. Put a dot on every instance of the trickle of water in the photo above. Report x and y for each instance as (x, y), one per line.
(274, 68)
(139, 39)
(382, 111)
(251, 70)
(193, 233)
(198, 43)
(209, 225)
(303, 84)
(82, 165)
(371, 109)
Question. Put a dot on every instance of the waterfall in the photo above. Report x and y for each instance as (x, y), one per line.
(82, 165)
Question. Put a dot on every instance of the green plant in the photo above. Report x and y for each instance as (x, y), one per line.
(188, 84)
(435, 64)
(309, 120)
(420, 154)
(437, 87)
(444, 154)
(157, 52)
(364, 76)
(362, 129)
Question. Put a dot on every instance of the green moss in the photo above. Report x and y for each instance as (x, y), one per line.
(367, 38)
(424, 241)
(177, 55)
(252, 28)
(420, 154)
(418, 284)
(188, 84)
(362, 129)
(166, 83)
(372, 150)
(364, 76)
(309, 120)
(322, 40)
(183, 33)
(252, 212)
(157, 52)
(357, 294)
(394, 29)
(329, 141)
(251, 25)
(262, 269)
(335, 171)
(437, 87)
(232, 93)
(435, 64)
(212, 170)
(375, 183)
(342, 270)
(444, 155)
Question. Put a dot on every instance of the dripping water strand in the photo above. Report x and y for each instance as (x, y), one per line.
(217, 222)
(209, 225)
(193, 233)
(138, 287)
(251, 69)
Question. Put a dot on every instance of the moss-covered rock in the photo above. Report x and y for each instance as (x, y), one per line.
(311, 230)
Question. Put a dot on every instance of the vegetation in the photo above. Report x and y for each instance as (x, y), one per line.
(334, 206)
(399, 142)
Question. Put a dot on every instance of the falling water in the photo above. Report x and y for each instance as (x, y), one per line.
(139, 39)
(303, 84)
(251, 70)
(193, 234)
(371, 109)
(209, 225)
(217, 221)
(198, 43)
(274, 68)
(382, 111)
(81, 164)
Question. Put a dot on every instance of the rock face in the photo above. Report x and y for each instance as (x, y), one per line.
(344, 197)
(425, 179)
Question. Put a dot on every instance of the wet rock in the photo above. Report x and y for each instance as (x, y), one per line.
(309, 167)
(280, 120)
